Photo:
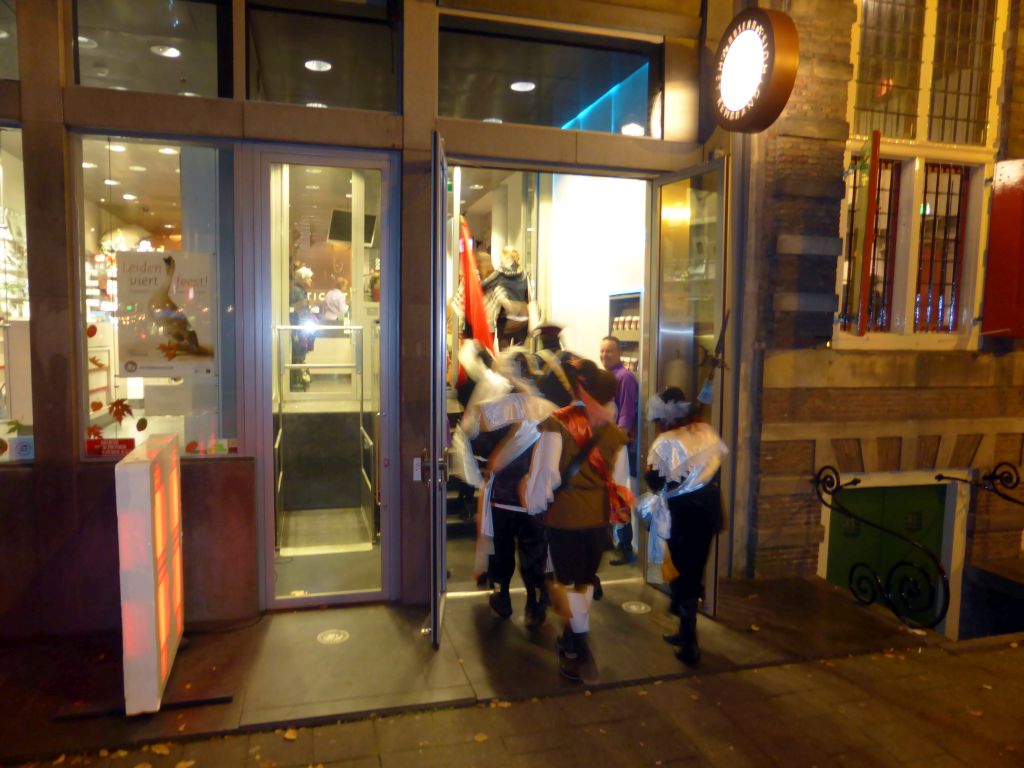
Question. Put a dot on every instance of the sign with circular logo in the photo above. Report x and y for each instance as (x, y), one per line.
(755, 69)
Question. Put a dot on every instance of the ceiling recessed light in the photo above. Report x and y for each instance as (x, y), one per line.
(523, 86)
(117, 148)
(348, 194)
(314, 170)
(312, 186)
(89, 165)
(187, 93)
(318, 65)
(495, 120)
(4, 34)
(633, 129)
(128, 196)
(476, 186)
(137, 168)
(316, 104)
(168, 226)
(167, 151)
(103, 199)
(111, 182)
(87, 42)
(118, 88)
(167, 51)
(177, 170)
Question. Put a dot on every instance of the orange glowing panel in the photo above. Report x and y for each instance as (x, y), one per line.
(149, 545)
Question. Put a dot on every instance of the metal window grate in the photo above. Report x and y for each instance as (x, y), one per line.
(889, 69)
(962, 71)
(883, 253)
(941, 251)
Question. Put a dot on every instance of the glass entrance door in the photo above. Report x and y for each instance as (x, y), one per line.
(687, 289)
(324, 233)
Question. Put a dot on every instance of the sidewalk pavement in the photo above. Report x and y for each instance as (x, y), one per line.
(938, 706)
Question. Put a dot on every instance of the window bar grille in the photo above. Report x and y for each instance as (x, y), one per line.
(883, 258)
(940, 251)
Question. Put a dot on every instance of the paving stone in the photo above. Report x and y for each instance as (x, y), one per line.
(227, 752)
(344, 741)
(272, 750)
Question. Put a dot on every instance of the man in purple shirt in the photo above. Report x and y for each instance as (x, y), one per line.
(626, 405)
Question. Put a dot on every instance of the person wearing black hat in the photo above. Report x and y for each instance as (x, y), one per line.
(686, 507)
(579, 477)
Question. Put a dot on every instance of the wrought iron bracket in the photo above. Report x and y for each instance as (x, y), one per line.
(1003, 477)
(909, 589)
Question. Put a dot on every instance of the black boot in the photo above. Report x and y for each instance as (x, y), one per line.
(501, 602)
(688, 651)
(535, 613)
(675, 638)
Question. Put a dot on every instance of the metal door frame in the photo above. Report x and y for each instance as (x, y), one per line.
(255, 351)
(649, 335)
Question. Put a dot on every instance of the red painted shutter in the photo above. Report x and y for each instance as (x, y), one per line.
(1004, 276)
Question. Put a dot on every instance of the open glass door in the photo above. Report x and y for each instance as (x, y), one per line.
(436, 470)
(688, 313)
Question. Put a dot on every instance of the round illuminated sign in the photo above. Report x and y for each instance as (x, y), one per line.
(755, 69)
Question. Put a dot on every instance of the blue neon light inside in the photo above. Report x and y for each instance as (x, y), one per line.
(624, 103)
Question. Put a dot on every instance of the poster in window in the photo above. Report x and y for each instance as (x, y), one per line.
(167, 314)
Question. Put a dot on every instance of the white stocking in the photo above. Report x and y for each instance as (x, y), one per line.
(579, 605)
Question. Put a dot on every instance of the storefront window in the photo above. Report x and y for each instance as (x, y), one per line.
(181, 47)
(16, 441)
(344, 55)
(510, 74)
(8, 41)
(157, 248)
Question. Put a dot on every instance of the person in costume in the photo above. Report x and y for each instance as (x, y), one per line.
(499, 430)
(686, 506)
(579, 479)
(509, 290)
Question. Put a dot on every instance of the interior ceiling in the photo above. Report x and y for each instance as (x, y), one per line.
(476, 71)
(315, 191)
(8, 41)
(157, 188)
(477, 200)
(118, 37)
(362, 55)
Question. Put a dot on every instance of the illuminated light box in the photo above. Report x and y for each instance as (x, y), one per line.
(148, 483)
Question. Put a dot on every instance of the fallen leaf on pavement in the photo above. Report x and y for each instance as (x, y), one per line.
(291, 734)
(480, 737)
(754, 628)
(58, 761)
(1014, 644)
(160, 749)
(986, 686)
(975, 712)
(641, 693)
(143, 765)
(184, 764)
(504, 704)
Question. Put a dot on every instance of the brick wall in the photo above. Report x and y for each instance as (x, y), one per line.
(801, 162)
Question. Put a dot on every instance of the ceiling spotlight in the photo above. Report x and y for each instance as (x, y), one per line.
(87, 43)
(167, 151)
(316, 105)
(348, 194)
(476, 186)
(111, 182)
(314, 170)
(187, 93)
(137, 168)
(4, 34)
(118, 88)
(523, 86)
(167, 51)
(633, 129)
(318, 65)
(495, 120)
(168, 226)
(117, 148)
(313, 186)
(89, 165)
(129, 197)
